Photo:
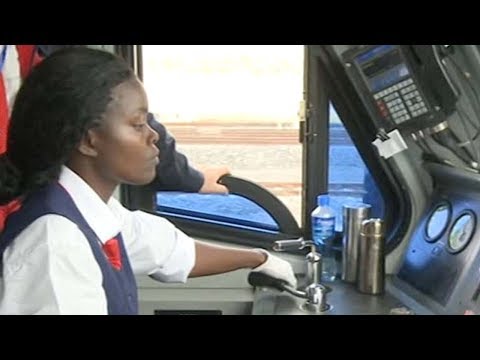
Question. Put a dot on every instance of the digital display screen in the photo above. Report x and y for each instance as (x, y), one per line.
(382, 66)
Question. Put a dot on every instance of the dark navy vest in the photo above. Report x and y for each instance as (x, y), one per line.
(119, 285)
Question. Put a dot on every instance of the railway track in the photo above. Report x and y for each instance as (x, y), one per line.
(187, 134)
(294, 188)
(253, 134)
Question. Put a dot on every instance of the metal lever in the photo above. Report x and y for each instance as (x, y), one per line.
(316, 298)
(314, 260)
(285, 245)
(315, 294)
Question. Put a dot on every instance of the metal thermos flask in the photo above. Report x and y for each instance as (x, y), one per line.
(371, 261)
(353, 216)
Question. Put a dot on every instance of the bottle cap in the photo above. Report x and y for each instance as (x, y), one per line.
(323, 200)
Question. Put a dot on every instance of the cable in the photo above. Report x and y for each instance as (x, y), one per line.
(470, 121)
(471, 139)
(444, 71)
(428, 152)
(476, 96)
(474, 149)
(448, 138)
(475, 100)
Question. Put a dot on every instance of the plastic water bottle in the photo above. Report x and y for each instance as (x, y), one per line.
(323, 231)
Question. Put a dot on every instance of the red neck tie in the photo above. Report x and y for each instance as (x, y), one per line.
(112, 249)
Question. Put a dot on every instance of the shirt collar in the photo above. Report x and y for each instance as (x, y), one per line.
(97, 214)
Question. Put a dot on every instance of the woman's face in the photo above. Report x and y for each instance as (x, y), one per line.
(125, 143)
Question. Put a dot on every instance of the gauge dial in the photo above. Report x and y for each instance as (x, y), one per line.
(461, 232)
(438, 222)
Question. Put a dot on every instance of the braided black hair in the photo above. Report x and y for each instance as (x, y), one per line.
(61, 99)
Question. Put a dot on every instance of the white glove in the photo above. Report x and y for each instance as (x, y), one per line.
(277, 268)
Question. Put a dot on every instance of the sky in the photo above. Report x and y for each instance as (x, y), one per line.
(262, 83)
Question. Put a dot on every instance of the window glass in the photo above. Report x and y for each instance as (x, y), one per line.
(349, 180)
(234, 106)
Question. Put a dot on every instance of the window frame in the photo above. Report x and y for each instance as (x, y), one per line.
(325, 81)
(143, 197)
(339, 90)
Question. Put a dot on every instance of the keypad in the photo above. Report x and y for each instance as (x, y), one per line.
(401, 101)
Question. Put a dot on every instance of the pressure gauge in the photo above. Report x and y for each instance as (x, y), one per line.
(438, 222)
(461, 232)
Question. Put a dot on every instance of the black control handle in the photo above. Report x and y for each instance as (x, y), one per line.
(259, 279)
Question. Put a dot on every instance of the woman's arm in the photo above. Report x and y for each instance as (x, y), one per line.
(213, 259)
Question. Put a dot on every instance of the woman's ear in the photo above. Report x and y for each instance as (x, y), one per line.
(87, 144)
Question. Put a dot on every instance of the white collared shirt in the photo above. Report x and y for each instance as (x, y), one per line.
(50, 267)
